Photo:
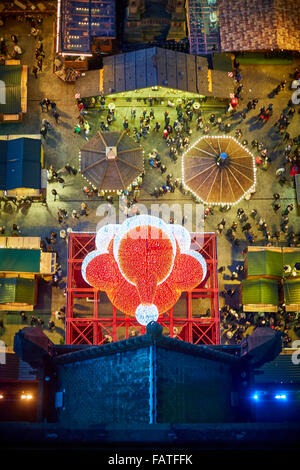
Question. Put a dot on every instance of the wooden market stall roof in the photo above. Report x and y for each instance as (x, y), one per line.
(89, 84)
(264, 262)
(292, 294)
(30, 243)
(252, 25)
(111, 161)
(213, 183)
(258, 293)
(281, 370)
(155, 67)
(270, 261)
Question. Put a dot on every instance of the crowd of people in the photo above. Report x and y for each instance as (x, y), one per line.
(254, 227)
(39, 322)
(235, 323)
(248, 228)
(180, 121)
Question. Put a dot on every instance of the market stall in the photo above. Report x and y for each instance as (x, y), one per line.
(260, 295)
(111, 161)
(218, 170)
(21, 163)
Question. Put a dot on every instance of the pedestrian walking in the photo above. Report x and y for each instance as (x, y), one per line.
(56, 117)
(43, 131)
(43, 104)
(47, 103)
(61, 181)
(68, 168)
(47, 124)
(34, 71)
(39, 63)
(53, 106)
(54, 192)
(276, 206)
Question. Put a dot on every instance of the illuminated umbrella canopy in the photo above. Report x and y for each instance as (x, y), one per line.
(218, 170)
(111, 161)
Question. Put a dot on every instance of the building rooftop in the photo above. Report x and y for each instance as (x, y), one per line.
(281, 370)
(82, 20)
(250, 25)
(142, 341)
(16, 369)
(203, 25)
(157, 67)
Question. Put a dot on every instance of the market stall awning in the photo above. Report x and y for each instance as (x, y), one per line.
(260, 291)
(17, 290)
(10, 89)
(111, 161)
(264, 262)
(20, 163)
(292, 291)
(20, 260)
(218, 170)
(291, 256)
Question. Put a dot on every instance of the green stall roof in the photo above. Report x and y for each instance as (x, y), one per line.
(291, 257)
(19, 260)
(260, 291)
(10, 87)
(292, 291)
(16, 289)
(265, 263)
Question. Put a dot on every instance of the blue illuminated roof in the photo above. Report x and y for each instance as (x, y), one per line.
(20, 163)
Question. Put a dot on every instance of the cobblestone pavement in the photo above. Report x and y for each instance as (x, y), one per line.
(62, 145)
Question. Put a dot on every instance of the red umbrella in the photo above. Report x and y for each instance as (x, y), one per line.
(295, 170)
(234, 102)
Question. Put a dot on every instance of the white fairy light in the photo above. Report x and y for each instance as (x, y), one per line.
(218, 203)
(138, 221)
(146, 314)
(104, 236)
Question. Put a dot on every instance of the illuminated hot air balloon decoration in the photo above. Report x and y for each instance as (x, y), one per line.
(143, 265)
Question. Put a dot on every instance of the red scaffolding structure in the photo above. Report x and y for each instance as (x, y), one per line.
(89, 321)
